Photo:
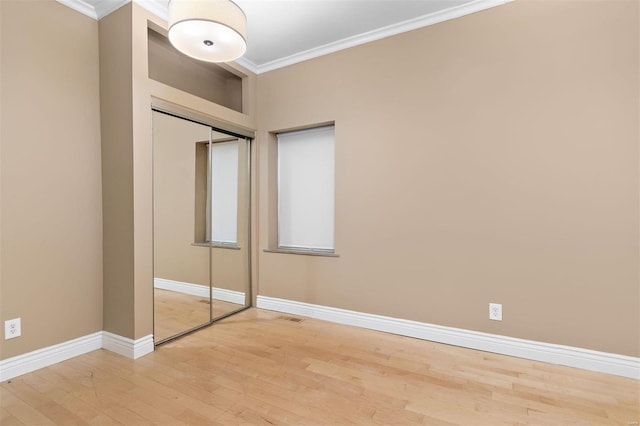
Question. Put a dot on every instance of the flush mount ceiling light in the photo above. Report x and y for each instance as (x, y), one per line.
(208, 30)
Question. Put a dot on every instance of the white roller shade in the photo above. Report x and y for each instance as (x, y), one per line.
(224, 192)
(306, 189)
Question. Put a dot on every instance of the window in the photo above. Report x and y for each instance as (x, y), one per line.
(306, 188)
(223, 225)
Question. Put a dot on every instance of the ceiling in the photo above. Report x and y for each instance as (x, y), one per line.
(279, 29)
(283, 32)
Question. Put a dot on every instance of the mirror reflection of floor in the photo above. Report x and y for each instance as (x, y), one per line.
(176, 312)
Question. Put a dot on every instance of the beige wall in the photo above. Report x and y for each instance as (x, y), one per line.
(2, 317)
(51, 228)
(492, 158)
(116, 108)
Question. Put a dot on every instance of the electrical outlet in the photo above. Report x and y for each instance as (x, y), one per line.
(12, 328)
(495, 311)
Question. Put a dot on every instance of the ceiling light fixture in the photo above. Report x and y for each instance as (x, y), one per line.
(208, 30)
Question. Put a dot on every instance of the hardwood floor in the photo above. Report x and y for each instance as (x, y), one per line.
(259, 367)
(174, 312)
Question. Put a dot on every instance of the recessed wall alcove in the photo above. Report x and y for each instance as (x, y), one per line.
(206, 80)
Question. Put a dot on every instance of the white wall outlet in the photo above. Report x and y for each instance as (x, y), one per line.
(12, 328)
(495, 311)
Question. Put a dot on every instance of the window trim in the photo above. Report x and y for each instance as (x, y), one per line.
(303, 252)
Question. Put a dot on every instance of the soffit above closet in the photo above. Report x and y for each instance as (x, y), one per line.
(284, 32)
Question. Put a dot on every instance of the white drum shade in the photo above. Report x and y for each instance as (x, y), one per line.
(208, 30)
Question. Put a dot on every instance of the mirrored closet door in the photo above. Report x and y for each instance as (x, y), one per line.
(201, 225)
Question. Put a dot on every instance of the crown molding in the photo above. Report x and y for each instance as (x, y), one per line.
(380, 33)
(159, 8)
(248, 64)
(105, 7)
(81, 6)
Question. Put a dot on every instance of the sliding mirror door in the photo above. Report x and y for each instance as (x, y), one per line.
(201, 225)
(181, 267)
(228, 196)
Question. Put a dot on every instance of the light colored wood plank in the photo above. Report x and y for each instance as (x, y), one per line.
(9, 420)
(257, 368)
(21, 410)
(175, 312)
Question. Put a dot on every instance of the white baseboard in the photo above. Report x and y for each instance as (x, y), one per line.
(127, 347)
(221, 294)
(587, 359)
(35, 360)
(22, 364)
(40, 358)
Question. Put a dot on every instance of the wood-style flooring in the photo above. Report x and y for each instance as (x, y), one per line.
(260, 367)
(175, 312)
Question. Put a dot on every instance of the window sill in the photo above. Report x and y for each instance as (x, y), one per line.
(302, 252)
(217, 245)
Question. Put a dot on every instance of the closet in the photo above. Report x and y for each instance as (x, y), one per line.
(201, 224)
